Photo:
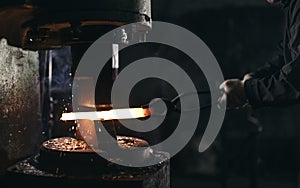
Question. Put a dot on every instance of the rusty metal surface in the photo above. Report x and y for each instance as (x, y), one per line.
(19, 104)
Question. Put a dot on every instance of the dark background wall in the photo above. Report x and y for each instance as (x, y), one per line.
(262, 143)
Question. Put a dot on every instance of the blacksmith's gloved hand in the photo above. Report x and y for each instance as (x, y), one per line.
(233, 94)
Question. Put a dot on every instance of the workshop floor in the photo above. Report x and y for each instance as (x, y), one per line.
(237, 182)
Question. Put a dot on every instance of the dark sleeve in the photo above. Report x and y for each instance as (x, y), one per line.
(274, 64)
(279, 89)
(282, 87)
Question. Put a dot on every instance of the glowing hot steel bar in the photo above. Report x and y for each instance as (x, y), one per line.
(126, 113)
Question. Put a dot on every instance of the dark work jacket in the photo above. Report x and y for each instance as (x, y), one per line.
(277, 83)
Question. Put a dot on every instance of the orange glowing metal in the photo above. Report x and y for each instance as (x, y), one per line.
(126, 113)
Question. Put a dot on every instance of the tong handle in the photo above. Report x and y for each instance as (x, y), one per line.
(171, 104)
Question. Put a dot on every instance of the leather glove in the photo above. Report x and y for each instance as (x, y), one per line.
(233, 94)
